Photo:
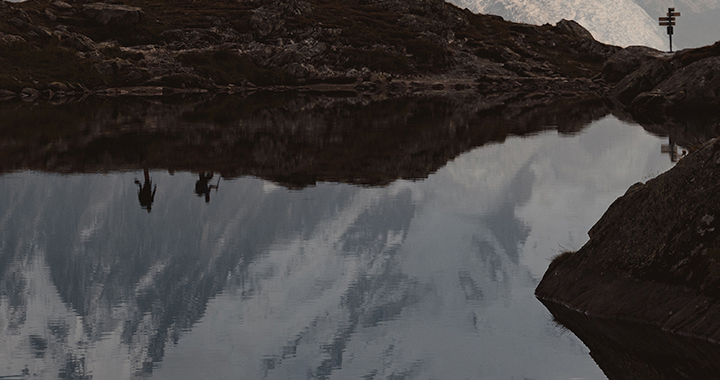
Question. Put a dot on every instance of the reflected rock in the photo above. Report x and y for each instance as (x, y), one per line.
(636, 351)
(295, 140)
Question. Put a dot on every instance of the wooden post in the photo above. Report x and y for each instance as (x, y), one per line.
(669, 21)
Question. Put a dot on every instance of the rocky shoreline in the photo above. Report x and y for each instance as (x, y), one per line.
(654, 256)
(381, 46)
(376, 47)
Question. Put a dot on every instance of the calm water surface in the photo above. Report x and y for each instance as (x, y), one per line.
(419, 279)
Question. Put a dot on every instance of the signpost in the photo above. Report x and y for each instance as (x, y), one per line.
(669, 21)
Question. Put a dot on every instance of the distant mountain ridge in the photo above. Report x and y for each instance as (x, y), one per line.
(617, 22)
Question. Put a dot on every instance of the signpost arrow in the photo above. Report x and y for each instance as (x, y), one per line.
(669, 21)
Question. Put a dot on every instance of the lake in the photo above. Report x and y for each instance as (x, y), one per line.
(287, 236)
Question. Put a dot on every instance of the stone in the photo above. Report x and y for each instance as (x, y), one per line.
(113, 14)
(695, 87)
(572, 28)
(626, 61)
(645, 78)
(111, 67)
(50, 15)
(57, 86)
(61, 5)
(9, 38)
(301, 70)
(29, 92)
(80, 42)
(264, 22)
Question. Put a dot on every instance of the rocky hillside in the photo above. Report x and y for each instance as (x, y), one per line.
(617, 22)
(55, 48)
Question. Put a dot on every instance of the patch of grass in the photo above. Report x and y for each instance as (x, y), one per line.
(560, 258)
(227, 67)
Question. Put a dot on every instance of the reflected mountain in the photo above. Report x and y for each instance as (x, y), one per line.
(331, 281)
(292, 139)
(627, 350)
(150, 283)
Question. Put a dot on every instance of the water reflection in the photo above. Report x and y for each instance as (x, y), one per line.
(637, 351)
(294, 271)
(203, 186)
(146, 191)
(294, 140)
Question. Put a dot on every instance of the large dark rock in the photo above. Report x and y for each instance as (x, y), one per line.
(645, 78)
(654, 257)
(626, 61)
(113, 14)
(695, 87)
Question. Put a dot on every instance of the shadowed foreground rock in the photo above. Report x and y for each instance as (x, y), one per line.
(654, 257)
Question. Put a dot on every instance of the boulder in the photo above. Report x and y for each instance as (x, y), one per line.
(654, 256)
(645, 78)
(57, 86)
(572, 28)
(301, 70)
(112, 67)
(195, 38)
(80, 42)
(29, 93)
(695, 87)
(63, 6)
(626, 61)
(113, 14)
(9, 38)
(264, 22)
